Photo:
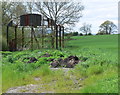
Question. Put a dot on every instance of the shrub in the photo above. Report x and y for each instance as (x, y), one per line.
(81, 34)
(75, 34)
(89, 33)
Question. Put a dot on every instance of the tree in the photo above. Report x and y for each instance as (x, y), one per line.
(19, 9)
(64, 13)
(12, 10)
(75, 34)
(30, 7)
(6, 12)
(107, 27)
(89, 33)
(81, 34)
(86, 28)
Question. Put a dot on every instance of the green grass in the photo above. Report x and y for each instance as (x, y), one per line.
(16, 70)
(105, 42)
(107, 82)
(99, 55)
(101, 65)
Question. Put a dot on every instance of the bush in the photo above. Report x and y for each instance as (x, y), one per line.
(89, 33)
(81, 34)
(100, 33)
(75, 34)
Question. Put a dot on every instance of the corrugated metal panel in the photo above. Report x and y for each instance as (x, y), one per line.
(30, 20)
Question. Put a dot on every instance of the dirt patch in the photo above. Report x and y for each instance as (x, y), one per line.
(26, 89)
(32, 59)
(31, 88)
(69, 62)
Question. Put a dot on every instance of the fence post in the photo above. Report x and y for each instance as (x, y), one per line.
(60, 37)
(22, 37)
(63, 36)
(56, 28)
(31, 38)
(15, 38)
(7, 36)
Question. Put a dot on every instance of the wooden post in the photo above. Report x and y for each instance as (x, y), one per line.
(63, 36)
(42, 38)
(60, 36)
(22, 37)
(31, 38)
(53, 36)
(42, 33)
(15, 38)
(7, 36)
(48, 22)
(56, 28)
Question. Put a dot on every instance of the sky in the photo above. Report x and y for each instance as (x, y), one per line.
(98, 11)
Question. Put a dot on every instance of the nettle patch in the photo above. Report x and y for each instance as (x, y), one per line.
(55, 61)
(27, 60)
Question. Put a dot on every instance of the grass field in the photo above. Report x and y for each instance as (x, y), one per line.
(97, 73)
(102, 49)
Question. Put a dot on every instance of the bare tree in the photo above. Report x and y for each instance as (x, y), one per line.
(64, 13)
(19, 9)
(12, 10)
(30, 7)
(6, 12)
(86, 28)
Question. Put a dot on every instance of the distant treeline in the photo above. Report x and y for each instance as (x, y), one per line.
(76, 34)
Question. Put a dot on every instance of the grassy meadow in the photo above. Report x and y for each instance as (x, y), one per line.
(102, 54)
(97, 72)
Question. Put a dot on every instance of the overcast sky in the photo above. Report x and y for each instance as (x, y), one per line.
(98, 11)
